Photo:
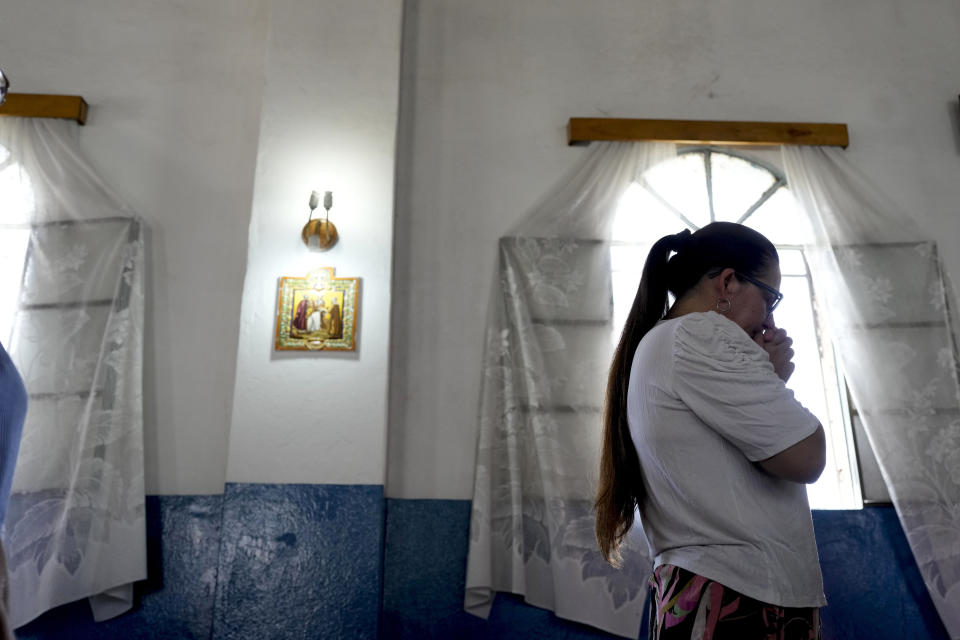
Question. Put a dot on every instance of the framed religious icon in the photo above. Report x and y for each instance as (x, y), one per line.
(317, 312)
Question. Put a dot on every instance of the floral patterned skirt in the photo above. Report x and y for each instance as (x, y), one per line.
(688, 606)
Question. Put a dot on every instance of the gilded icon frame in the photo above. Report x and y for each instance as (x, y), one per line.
(318, 312)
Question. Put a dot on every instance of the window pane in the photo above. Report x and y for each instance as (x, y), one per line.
(682, 182)
(791, 262)
(16, 208)
(628, 257)
(640, 217)
(17, 194)
(781, 220)
(737, 185)
(13, 251)
(795, 314)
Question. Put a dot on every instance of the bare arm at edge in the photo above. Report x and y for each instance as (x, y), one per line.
(803, 462)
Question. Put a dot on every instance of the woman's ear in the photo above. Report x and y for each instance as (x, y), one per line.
(728, 282)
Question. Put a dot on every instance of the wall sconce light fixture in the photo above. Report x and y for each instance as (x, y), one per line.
(320, 235)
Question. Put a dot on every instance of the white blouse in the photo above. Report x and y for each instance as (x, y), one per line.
(704, 405)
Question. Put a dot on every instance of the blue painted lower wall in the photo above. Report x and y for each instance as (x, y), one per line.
(300, 561)
(873, 585)
(424, 572)
(176, 600)
(260, 561)
(872, 582)
(315, 561)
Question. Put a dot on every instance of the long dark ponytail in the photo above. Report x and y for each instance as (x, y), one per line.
(719, 244)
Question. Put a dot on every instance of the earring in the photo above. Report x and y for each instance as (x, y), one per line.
(723, 305)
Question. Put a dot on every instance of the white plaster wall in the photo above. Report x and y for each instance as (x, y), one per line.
(174, 91)
(328, 123)
(487, 91)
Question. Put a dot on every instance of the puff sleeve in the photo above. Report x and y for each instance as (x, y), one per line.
(728, 381)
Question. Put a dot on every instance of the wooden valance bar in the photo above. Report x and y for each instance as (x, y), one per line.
(40, 105)
(585, 130)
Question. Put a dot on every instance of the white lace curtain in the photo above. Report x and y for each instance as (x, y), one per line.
(548, 348)
(73, 296)
(881, 287)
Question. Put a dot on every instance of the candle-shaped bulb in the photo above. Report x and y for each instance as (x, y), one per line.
(327, 200)
(314, 200)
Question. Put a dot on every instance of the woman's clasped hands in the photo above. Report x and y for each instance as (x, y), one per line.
(778, 346)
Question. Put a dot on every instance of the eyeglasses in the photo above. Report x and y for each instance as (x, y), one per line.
(771, 304)
(777, 296)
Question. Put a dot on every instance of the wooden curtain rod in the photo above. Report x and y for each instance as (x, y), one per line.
(39, 105)
(586, 130)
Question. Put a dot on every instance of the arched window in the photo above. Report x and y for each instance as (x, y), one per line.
(702, 185)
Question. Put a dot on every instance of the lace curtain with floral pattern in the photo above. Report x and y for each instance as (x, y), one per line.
(547, 353)
(71, 316)
(883, 292)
